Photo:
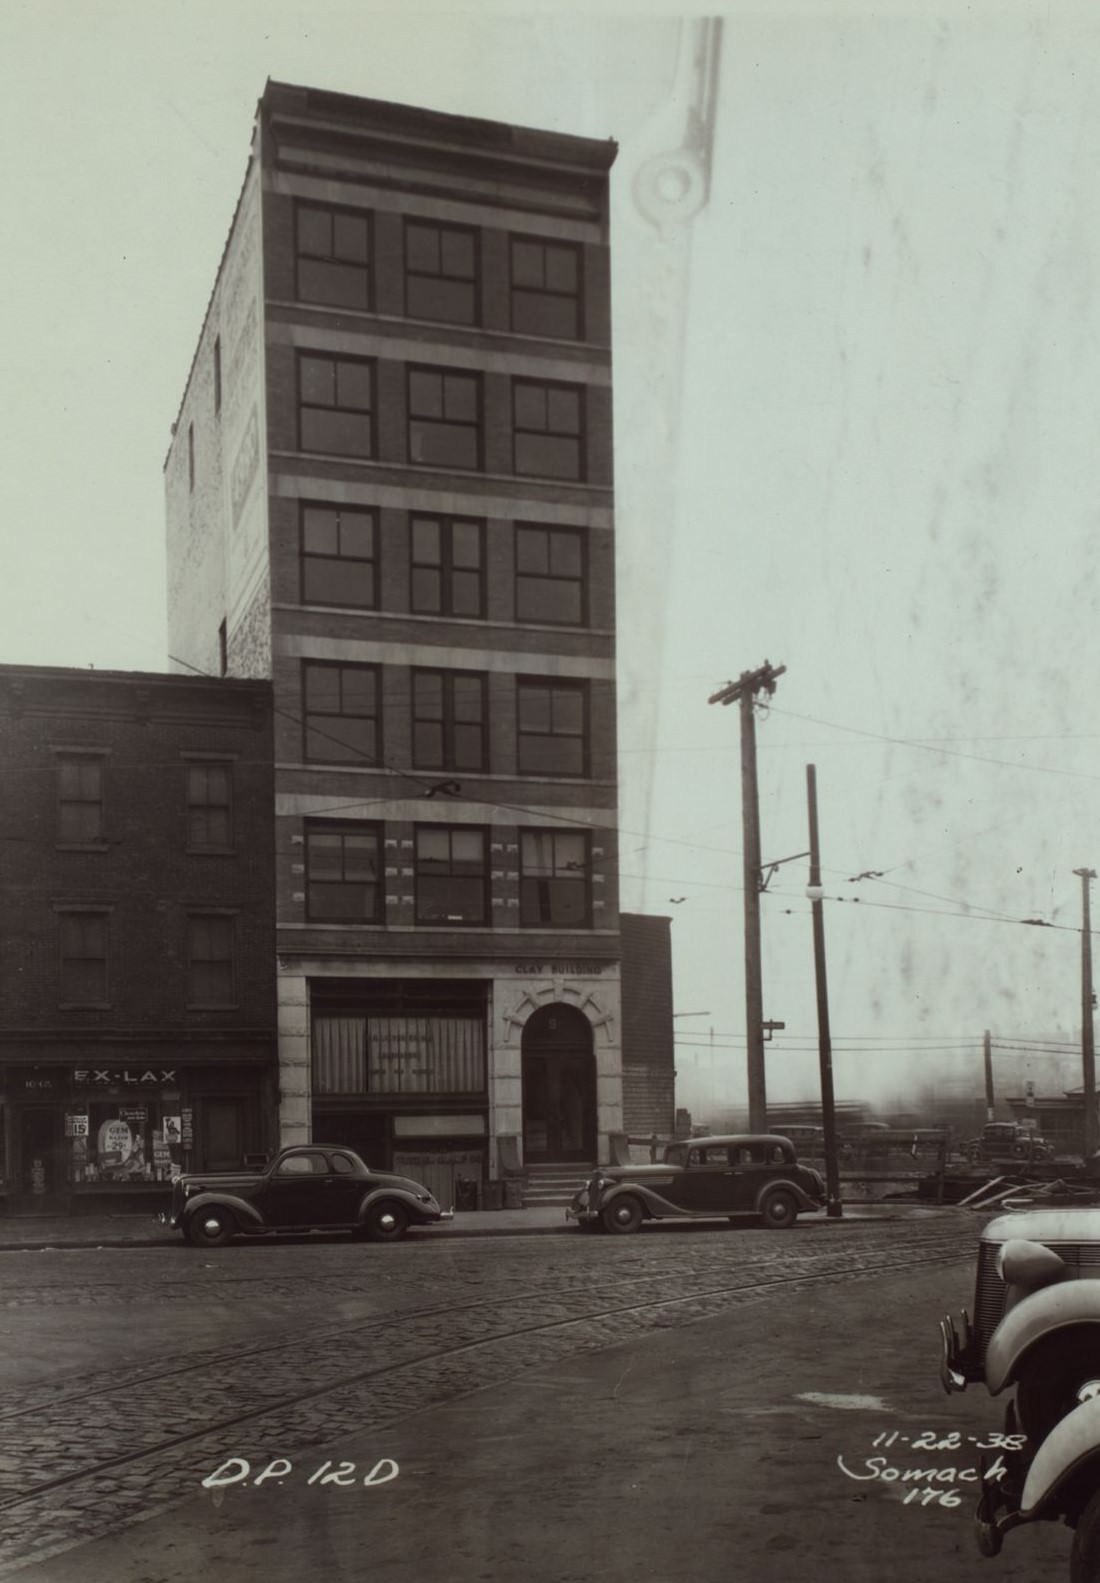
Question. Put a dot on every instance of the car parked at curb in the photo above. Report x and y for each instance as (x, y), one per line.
(702, 1179)
(309, 1187)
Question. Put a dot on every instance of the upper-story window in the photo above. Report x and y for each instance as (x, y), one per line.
(447, 555)
(83, 958)
(449, 714)
(343, 872)
(209, 807)
(546, 288)
(211, 971)
(341, 713)
(548, 429)
(554, 884)
(336, 405)
(441, 272)
(333, 257)
(551, 575)
(452, 876)
(552, 727)
(444, 418)
(339, 557)
(80, 816)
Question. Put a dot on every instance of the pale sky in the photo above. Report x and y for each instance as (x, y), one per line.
(885, 475)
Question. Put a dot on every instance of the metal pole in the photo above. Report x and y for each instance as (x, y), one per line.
(1088, 1048)
(754, 993)
(825, 1044)
(987, 1053)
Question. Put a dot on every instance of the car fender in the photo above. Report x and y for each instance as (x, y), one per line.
(656, 1205)
(1070, 1303)
(797, 1192)
(1071, 1447)
(246, 1214)
(401, 1194)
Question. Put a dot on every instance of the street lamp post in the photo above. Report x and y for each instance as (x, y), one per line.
(825, 1045)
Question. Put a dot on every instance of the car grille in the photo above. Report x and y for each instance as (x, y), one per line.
(1083, 1259)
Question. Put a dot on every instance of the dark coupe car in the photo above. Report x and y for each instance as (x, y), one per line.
(704, 1178)
(311, 1187)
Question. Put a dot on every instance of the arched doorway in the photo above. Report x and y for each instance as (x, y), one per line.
(559, 1086)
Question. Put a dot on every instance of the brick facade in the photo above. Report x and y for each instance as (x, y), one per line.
(112, 862)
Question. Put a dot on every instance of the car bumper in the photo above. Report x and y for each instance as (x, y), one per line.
(583, 1214)
(165, 1218)
(959, 1362)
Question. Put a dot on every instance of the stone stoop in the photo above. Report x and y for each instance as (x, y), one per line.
(554, 1186)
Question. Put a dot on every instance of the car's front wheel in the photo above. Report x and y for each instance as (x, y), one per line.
(779, 1211)
(211, 1228)
(622, 1215)
(1084, 1558)
(385, 1222)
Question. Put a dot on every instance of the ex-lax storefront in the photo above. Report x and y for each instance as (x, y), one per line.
(82, 1135)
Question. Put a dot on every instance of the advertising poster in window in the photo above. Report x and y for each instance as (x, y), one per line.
(646, 464)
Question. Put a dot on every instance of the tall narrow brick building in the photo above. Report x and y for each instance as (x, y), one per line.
(389, 488)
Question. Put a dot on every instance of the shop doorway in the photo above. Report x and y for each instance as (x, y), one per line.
(39, 1183)
(559, 1086)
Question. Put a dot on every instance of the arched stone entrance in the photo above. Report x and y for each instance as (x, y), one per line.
(559, 1086)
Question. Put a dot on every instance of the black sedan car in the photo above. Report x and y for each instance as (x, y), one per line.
(702, 1179)
(311, 1187)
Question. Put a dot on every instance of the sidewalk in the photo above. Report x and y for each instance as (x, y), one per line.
(37, 1232)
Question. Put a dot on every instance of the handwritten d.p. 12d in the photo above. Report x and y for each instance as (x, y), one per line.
(344, 1475)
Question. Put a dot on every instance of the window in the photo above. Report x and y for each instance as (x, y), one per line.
(554, 885)
(303, 1165)
(548, 428)
(447, 566)
(444, 418)
(339, 557)
(546, 288)
(336, 405)
(449, 709)
(552, 727)
(209, 807)
(333, 257)
(441, 273)
(341, 712)
(210, 976)
(451, 875)
(343, 873)
(80, 819)
(217, 374)
(83, 958)
(551, 576)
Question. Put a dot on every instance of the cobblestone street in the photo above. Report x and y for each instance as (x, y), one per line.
(129, 1374)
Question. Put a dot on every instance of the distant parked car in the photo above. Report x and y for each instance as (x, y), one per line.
(1007, 1141)
(310, 1187)
(702, 1179)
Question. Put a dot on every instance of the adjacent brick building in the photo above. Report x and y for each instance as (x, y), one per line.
(137, 971)
(389, 490)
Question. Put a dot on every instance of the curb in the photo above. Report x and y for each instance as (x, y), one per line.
(422, 1234)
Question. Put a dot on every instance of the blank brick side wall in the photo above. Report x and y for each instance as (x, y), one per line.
(648, 1054)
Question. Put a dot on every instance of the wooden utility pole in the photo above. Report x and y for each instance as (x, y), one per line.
(1088, 1048)
(987, 1053)
(743, 692)
(824, 1036)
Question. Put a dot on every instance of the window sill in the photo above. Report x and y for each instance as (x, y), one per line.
(212, 1006)
(82, 846)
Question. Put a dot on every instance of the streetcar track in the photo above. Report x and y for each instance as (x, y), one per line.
(237, 1354)
(744, 1289)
